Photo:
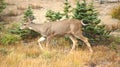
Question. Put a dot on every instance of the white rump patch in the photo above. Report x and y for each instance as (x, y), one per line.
(41, 39)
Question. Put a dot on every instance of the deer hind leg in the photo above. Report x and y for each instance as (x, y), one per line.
(84, 39)
(74, 40)
(40, 40)
(48, 40)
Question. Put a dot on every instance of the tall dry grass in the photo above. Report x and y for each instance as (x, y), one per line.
(30, 56)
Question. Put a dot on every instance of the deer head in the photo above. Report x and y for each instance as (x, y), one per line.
(26, 25)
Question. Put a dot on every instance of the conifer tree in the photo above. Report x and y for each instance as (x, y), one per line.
(89, 16)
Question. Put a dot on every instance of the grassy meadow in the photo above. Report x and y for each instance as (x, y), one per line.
(29, 55)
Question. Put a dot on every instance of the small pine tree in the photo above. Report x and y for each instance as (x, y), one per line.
(67, 9)
(80, 11)
(53, 16)
(89, 16)
(29, 14)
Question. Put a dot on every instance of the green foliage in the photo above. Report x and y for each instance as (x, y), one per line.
(53, 16)
(67, 9)
(8, 38)
(115, 12)
(89, 16)
(28, 14)
(2, 5)
(80, 10)
(24, 34)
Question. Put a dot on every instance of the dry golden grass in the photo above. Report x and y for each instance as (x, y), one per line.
(115, 12)
(31, 56)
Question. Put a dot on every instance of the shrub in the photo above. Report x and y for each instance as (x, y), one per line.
(28, 14)
(67, 9)
(89, 16)
(53, 16)
(24, 34)
(115, 12)
(8, 38)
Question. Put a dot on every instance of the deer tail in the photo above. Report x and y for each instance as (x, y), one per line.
(83, 23)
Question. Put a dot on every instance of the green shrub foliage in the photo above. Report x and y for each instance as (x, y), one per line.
(25, 34)
(89, 16)
(28, 14)
(8, 38)
(53, 16)
(67, 9)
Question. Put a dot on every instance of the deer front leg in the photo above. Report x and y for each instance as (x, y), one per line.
(40, 40)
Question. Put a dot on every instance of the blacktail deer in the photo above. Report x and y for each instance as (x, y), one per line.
(70, 27)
